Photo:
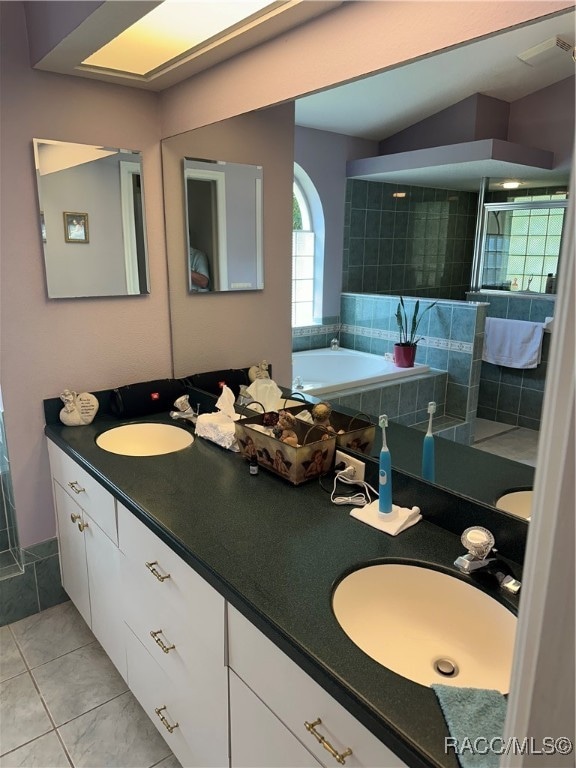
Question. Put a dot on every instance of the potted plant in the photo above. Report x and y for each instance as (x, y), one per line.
(405, 349)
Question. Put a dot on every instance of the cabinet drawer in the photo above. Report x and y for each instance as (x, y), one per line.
(177, 639)
(295, 698)
(87, 492)
(258, 739)
(201, 713)
(168, 590)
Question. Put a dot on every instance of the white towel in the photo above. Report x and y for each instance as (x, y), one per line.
(512, 343)
(394, 523)
(219, 426)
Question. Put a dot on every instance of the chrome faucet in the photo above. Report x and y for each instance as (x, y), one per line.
(480, 544)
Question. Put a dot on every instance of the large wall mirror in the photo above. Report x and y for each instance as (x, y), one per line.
(223, 225)
(91, 220)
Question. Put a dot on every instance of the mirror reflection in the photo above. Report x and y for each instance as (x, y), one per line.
(224, 225)
(91, 219)
(522, 242)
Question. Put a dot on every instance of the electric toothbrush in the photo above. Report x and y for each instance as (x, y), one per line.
(385, 473)
(428, 447)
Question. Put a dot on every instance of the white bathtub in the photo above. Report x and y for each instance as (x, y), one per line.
(324, 371)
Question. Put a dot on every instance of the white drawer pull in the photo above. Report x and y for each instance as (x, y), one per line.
(340, 757)
(76, 487)
(164, 720)
(156, 572)
(158, 641)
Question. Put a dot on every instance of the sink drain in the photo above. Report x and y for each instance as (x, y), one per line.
(446, 667)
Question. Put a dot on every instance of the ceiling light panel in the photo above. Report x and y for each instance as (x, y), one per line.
(170, 30)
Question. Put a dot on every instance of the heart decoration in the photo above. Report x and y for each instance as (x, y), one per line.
(79, 409)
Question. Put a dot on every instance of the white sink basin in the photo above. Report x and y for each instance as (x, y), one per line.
(144, 439)
(517, 503)
(416, 620)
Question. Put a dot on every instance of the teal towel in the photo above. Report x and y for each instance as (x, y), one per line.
(474, 717)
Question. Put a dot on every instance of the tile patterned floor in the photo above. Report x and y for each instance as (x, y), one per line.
(516, 443)
(64, 705)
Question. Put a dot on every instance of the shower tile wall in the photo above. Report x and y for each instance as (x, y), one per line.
(510, 395)
(10, 560)
(420, 244)
(37, 588)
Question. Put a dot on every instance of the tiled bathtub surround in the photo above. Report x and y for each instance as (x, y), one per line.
(37, 588)
(453, 337)
(418, 244)
(510, 395)
(315, 336)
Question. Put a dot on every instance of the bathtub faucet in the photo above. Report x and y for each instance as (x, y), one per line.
(335, 344)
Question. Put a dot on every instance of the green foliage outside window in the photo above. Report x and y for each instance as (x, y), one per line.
(296, 214)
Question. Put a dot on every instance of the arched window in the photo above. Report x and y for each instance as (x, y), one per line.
(307, 251)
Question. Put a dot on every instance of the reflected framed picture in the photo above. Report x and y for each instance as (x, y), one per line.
(75, 227)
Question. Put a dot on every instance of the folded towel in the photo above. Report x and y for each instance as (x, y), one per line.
(393, 523)
(474, 716)
(512, 343)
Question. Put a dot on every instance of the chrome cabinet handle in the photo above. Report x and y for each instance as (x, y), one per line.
(340, 757)
(76, 487)
(82, 526)
(74, 517)
(158, 641)
(164, 720)
(156, 572)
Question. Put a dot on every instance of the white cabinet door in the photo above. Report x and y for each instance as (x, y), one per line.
(72, 551)
(103, 560)
(258, 739)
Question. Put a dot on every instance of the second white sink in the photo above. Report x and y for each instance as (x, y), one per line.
(517, 503)
(144, 439)
(427, 626)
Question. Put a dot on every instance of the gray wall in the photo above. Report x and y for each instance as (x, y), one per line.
(92, 188)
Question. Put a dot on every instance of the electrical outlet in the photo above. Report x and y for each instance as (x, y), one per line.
(349, 461)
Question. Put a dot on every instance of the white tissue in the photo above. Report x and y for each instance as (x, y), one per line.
(267, 392)
(305, 416)
(219, 426)
(393, 523)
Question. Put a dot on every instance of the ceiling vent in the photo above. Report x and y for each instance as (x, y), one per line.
(548, 52)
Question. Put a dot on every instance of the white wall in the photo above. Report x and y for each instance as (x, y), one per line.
(323, 155)
(95, 268)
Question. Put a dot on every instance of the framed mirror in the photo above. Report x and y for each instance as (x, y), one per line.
(224, 225)
(91, 220)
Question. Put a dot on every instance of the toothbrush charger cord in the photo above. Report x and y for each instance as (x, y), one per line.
(358, 499)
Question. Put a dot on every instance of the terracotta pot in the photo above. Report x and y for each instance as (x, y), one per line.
(404, 355)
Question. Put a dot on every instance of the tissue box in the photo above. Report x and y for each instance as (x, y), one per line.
(313, 457)
(358, 434)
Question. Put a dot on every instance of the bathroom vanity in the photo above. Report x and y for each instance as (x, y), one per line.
(210, 590)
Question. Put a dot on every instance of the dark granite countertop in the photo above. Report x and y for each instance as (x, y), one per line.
(275, 551)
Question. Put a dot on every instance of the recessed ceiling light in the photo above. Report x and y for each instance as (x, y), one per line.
(172, 29)
(511, 184)
(398, 194)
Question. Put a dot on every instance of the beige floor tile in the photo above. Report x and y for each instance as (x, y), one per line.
(45, 752)
(117, 734)
(51, 633)
(77, 682)
(22, 714)
(11, 661)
